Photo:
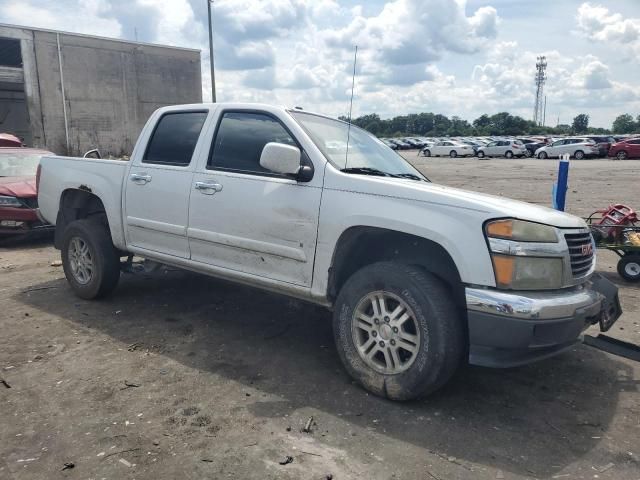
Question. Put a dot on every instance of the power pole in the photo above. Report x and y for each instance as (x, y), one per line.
(213, 78)
(544, 114)
(541, 78)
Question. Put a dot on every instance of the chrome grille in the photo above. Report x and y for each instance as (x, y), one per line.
(580, 252)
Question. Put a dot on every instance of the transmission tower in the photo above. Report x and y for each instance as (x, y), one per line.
(541, 78)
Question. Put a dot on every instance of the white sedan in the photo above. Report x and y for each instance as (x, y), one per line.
(448, 148)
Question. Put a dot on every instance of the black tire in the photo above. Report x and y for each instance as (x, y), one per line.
(629, 267)
(481, 154)
(453, 154)
(622, 155)
(427, 153)
(442, 341)
(105, 259)
(508, 154)
(543, 155)
(529, 153)
(578, 155)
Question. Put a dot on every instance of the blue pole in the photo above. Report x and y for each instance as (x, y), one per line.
(560, 193)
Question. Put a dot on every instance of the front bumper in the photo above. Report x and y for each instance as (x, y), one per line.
(20, 220)
(508, 329)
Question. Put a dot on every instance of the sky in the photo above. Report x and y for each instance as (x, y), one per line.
(454, 57)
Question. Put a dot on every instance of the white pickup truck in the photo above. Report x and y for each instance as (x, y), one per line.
(420, 277)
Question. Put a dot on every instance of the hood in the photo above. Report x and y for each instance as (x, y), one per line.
(488, 206)
(21, 187)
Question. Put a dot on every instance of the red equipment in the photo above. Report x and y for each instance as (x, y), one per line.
(614, 217)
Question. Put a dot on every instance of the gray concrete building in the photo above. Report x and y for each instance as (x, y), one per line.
(68, 92)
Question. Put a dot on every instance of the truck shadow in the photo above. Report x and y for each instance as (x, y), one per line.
(532, 421)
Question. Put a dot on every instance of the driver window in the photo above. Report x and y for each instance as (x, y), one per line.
(239, 141)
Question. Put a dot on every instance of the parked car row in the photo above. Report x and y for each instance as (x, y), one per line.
(542, 147)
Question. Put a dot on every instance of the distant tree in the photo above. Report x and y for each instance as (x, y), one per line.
(580, 123)
(441, 124)
(459, 127)
(373, 127)
(624, 124)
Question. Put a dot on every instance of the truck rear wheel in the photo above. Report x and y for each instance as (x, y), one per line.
(90, 261)
(397, 330)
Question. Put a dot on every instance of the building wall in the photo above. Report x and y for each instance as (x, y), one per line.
(110, 89)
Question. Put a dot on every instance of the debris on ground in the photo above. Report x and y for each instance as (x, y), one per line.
(68, 466)
(134, 346)
(56, 263)
(4, 382)
(308, 425)
(608, 466)
(287, 460)
(207, 460)
(128, 384)
(125, 463)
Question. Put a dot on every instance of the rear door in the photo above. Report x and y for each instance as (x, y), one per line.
(245, 218)
(156, 202)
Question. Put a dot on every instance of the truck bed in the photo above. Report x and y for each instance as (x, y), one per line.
(100, 176)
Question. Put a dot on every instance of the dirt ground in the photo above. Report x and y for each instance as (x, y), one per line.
(181, 376)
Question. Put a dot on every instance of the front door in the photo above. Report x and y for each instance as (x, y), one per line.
(245, 218)
(159, 183)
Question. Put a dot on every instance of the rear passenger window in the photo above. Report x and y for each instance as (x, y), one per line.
(239, 141)
(174, 138)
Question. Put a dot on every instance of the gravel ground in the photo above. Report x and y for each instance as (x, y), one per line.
(182, 376)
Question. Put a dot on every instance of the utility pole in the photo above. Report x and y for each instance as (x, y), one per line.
(213, 78)
(541, 78)
(544, 114)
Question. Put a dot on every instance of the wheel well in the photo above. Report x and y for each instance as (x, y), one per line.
(76, 204)
(361, 246)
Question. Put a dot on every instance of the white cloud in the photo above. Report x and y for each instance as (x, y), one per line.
(175, 21)
(417, 31)
(86, 16)
(599, 23)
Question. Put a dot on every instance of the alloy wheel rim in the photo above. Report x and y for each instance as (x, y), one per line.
(632, 269)
(80, 260)
(385, 332)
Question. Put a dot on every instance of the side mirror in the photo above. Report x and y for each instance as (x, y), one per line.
(280, 158)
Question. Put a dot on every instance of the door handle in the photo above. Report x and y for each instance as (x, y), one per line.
(140, 178)
(208, 188)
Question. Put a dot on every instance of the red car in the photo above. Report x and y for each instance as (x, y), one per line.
(18, 195)
(627, 148)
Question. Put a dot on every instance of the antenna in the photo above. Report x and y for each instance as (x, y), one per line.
(541, 78)
(353, 82)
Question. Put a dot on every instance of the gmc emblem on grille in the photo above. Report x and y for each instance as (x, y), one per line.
(587, 249)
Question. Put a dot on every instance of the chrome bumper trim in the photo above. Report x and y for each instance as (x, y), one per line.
(544, 305)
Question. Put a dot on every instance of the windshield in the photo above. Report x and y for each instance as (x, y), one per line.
(18, 164)
(365, 150)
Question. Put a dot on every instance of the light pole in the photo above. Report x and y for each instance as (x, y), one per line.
(213, 78)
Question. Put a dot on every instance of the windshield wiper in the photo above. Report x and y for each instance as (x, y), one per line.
(411, 176)
(367, 171)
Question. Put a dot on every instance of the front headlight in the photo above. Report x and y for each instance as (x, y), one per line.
(527, 273)
(6, 201)
(521, 231)
(518, 253)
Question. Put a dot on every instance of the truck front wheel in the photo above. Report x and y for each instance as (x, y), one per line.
(90, 261)
(397, 330)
